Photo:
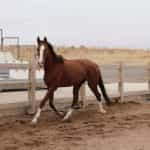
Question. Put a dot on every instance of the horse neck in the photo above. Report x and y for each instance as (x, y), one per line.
(49, 63)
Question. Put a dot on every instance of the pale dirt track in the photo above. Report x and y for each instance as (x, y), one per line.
(124, 127)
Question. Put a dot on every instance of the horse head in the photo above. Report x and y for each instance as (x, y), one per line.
(42, 50)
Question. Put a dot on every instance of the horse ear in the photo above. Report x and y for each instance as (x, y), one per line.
(38, 39)
(45, 39)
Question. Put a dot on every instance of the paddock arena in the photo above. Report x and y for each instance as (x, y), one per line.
(125, 127)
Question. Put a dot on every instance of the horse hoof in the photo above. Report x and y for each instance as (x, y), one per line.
(66, 120)
(76, 107)
(33, 123)
(62, 113)
(103, 111)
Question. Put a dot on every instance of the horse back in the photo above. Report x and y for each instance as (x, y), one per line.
(81, 69)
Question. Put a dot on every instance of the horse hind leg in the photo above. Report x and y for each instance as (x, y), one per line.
(98, 96)
(75, 104)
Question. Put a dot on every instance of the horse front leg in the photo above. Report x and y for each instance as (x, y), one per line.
(51, 104)
(44, 100)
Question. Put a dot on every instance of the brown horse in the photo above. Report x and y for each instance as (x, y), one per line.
(60, 72)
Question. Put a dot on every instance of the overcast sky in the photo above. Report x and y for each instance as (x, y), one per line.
(103, 23)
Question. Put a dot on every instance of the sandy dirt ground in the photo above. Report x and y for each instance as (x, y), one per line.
(124, 127)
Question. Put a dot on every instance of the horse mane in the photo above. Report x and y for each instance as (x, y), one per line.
(58, 58)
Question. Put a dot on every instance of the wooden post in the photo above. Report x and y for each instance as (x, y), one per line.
(82, 94)
(1, 30)
(32, 86)
(120, 83)
(148, 71)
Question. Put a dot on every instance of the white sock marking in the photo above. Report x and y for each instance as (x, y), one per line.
(102, 110)
(37, 115)
(69, 113)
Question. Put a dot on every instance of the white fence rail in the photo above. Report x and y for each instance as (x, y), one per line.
(119, 73)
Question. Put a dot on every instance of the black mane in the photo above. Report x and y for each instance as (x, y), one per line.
(58, 58)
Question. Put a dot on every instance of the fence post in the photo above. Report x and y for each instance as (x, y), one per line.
(82, 94)
(1, 30)
(148, 76)
(121, 81)
(32, 86)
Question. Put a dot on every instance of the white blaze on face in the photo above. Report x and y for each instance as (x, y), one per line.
(40, 60)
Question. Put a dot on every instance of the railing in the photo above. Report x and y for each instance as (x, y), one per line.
(124, 73)
(119, 73)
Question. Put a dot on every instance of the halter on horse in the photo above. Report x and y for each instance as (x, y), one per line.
(60, 72)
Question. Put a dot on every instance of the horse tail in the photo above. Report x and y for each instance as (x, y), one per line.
(102, 87)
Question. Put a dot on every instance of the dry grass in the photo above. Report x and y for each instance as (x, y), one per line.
(100, 56)
(103, 56)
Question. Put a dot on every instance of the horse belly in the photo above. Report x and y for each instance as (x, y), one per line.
(70, 80)
(65, 83)
(76, 77)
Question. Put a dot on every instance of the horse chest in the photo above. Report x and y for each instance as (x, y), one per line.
(53, 79)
